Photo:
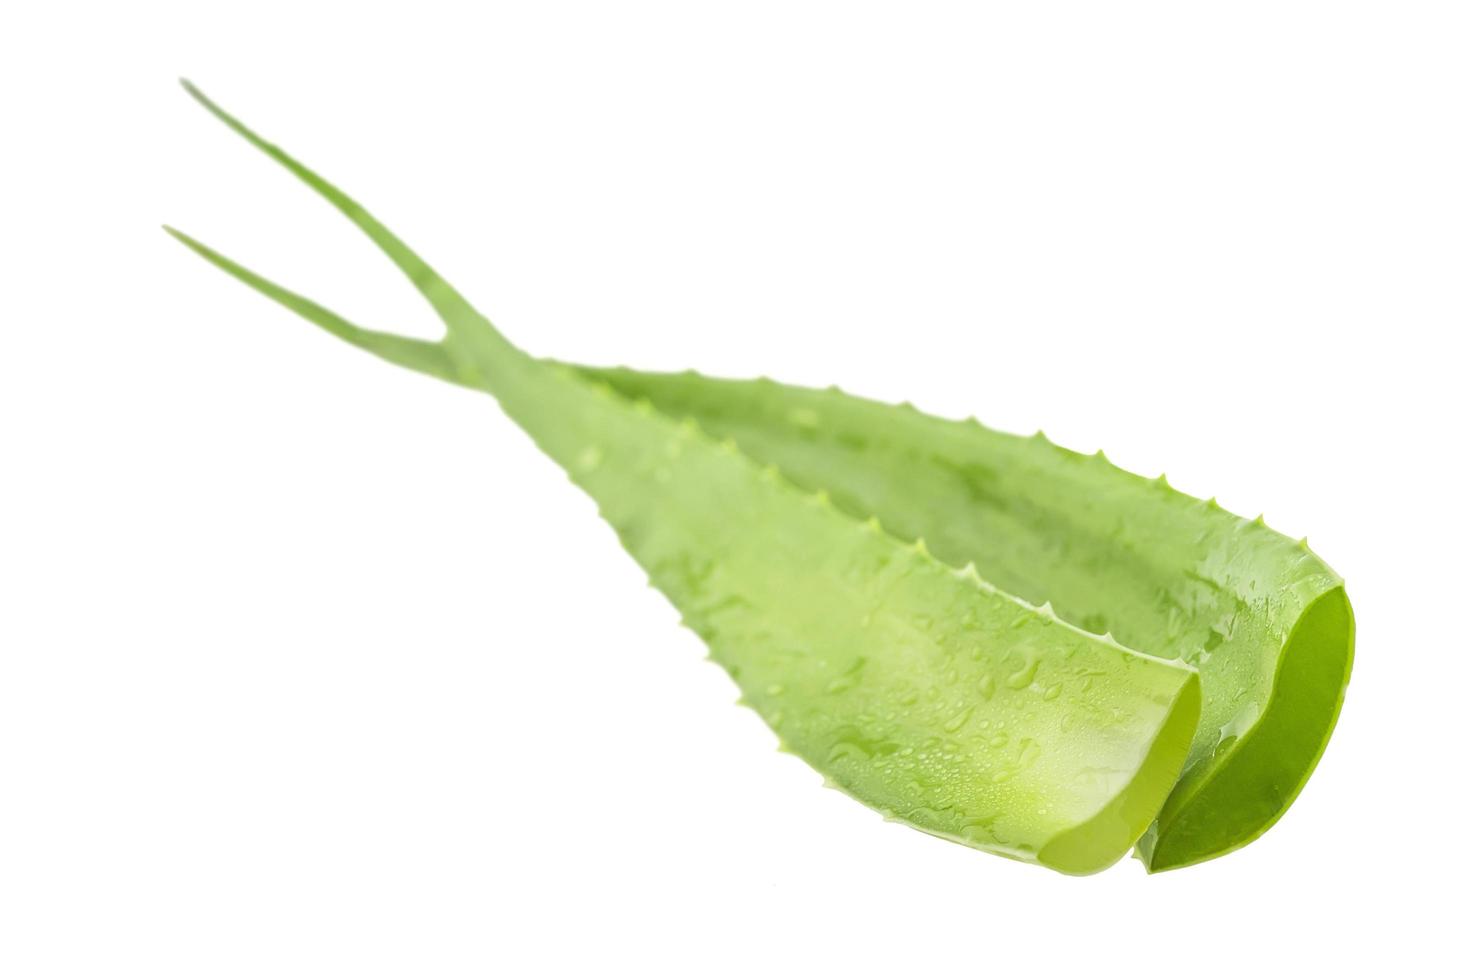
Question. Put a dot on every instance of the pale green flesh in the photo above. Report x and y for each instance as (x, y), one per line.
(1112, 552)
(910, 682)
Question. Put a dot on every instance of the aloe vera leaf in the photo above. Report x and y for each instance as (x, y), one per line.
(916, 687)
(1267, 623)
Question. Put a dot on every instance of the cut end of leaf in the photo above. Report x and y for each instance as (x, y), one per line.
(1098, 844)
(1266, 768)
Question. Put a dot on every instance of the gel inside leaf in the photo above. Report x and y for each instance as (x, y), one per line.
(933, 681)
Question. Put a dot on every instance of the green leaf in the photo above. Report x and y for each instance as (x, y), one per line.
(957, 703)
(1265, 621)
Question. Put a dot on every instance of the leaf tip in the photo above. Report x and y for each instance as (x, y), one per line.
(185, 239)
(197, 94)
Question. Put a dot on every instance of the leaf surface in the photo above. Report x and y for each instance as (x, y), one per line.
(1265, 621)
(952, 700)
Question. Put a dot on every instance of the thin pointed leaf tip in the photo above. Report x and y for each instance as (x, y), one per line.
(985, 636)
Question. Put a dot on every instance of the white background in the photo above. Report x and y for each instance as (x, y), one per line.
(310, 667)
